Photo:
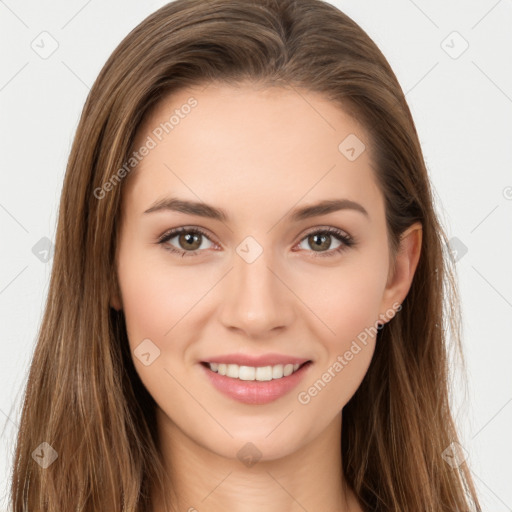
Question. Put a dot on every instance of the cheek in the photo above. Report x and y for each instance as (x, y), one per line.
(143, 304)
(346, 298)
(345, 358)
(348, 303)
(156, 300)
(155, 297)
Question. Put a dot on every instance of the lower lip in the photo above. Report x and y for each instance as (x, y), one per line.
(256, 392)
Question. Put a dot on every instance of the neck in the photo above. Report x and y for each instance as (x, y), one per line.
(311, 478)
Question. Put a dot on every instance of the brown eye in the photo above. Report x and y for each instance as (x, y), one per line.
(189, 241)
(320, 242)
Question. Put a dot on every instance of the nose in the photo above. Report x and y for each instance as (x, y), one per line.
(256, 298)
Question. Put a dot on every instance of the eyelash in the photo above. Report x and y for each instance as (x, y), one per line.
(347, 241)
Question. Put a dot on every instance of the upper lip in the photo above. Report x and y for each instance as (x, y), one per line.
(256, 361)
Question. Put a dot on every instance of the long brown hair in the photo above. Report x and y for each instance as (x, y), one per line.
(83, 396)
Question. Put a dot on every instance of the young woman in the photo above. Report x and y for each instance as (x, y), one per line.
(250, 298)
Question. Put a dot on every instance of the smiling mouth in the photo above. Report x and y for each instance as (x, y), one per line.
(252, 373)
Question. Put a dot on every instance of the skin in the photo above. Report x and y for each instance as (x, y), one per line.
(258, 154)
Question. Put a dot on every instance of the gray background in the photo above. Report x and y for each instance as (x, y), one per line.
(462, 105)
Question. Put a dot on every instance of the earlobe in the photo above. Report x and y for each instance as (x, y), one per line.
(406, 262)
(115, 303)
(115, 296)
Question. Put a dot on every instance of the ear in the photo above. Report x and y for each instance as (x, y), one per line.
(402, 272)
(115, 303)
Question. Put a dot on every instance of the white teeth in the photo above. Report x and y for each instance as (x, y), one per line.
(260, 373)
(232, 371)
(288, 370)
(264, 373)
(277, 371)
(247, 373)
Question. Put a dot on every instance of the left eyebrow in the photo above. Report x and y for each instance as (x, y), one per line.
(205, 210)
(325, 207)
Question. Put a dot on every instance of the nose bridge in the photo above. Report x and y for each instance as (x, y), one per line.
(256, 299)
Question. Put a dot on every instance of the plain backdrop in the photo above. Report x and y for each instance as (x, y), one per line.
(454, 62)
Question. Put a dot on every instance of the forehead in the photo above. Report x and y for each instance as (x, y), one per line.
(253, 147)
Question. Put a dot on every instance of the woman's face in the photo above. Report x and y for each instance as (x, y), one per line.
(260, 280)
